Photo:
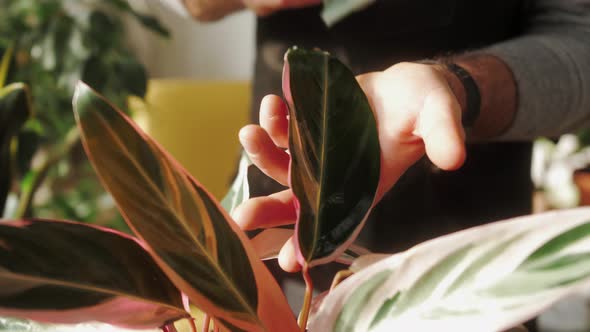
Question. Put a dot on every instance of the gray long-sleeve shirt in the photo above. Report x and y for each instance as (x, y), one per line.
(551, 64)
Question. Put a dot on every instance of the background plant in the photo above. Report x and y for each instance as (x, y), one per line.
(49, 46)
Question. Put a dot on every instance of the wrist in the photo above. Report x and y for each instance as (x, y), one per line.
(455, 84)
(486, 91)
(498, 94)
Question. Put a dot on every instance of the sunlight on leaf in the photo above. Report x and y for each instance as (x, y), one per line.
(487, 278)
(188, 233)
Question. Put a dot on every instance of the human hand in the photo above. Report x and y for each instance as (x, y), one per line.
(266, 7)
(212, 10)
(417, 113)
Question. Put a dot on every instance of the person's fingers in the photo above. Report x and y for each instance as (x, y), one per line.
(262, 151)
(266, 211)
(439, 126)
(266, 7)
(279, 4)
(287, 258)
(273, 118)
(299, 3)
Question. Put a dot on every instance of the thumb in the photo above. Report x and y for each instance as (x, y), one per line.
(439, 126)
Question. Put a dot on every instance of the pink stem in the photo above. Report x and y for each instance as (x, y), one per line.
(307, 299)
(206, 323)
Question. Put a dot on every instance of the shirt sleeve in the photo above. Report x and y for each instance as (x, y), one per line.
(176, 6)
(551, 65)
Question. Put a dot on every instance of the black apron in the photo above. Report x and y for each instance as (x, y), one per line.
(427, 202)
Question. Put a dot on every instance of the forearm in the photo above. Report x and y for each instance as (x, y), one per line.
(543, 89)
(211, 10)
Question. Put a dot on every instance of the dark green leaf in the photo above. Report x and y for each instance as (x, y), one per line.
(335, 156)
(63, 272)
(202, 251)
(148, 21)
(153, 24)
(15, 109)
(132, 76)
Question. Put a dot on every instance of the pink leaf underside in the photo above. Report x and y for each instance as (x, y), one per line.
(114, 312)
(273, 309)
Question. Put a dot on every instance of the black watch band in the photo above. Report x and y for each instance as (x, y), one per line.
(472, 94)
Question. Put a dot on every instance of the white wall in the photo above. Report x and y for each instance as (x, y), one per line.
(222, 50)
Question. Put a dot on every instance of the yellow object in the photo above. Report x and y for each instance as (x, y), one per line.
(198, 123)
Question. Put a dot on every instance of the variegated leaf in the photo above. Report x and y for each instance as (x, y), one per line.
(240, 188)
(336, 10)
(488, 278)
(64, 272)
(188, 233)
(335, 155)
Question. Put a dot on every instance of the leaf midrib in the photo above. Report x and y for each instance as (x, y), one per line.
(322, 158)
(208, 257)
(82, 286)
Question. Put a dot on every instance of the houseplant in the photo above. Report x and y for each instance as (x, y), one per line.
(187, 248)
(49, 46)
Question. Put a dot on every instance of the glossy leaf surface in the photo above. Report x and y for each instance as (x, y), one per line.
(15, 109)
(335, 156)
(488, 278)
(63, 272)
(199, 247)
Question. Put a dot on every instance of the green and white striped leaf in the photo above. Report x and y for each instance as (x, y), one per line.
(199, 247)
(487, 278)
(21, 325)
(336, 10)
(335, 154)
(240, 188)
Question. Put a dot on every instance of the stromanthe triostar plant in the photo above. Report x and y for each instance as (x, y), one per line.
(186, 249)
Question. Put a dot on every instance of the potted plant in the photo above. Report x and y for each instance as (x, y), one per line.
(186, 248)
(49, 46)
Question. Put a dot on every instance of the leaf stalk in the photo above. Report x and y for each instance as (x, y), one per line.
(303, 317)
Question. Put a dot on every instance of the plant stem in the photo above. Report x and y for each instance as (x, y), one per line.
(39, 173)
(5, 65)
(307, 299)
(206, 323)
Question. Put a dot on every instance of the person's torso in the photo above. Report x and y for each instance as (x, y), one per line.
(494, 183)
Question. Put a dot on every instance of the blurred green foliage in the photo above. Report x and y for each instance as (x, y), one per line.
(55, 43)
